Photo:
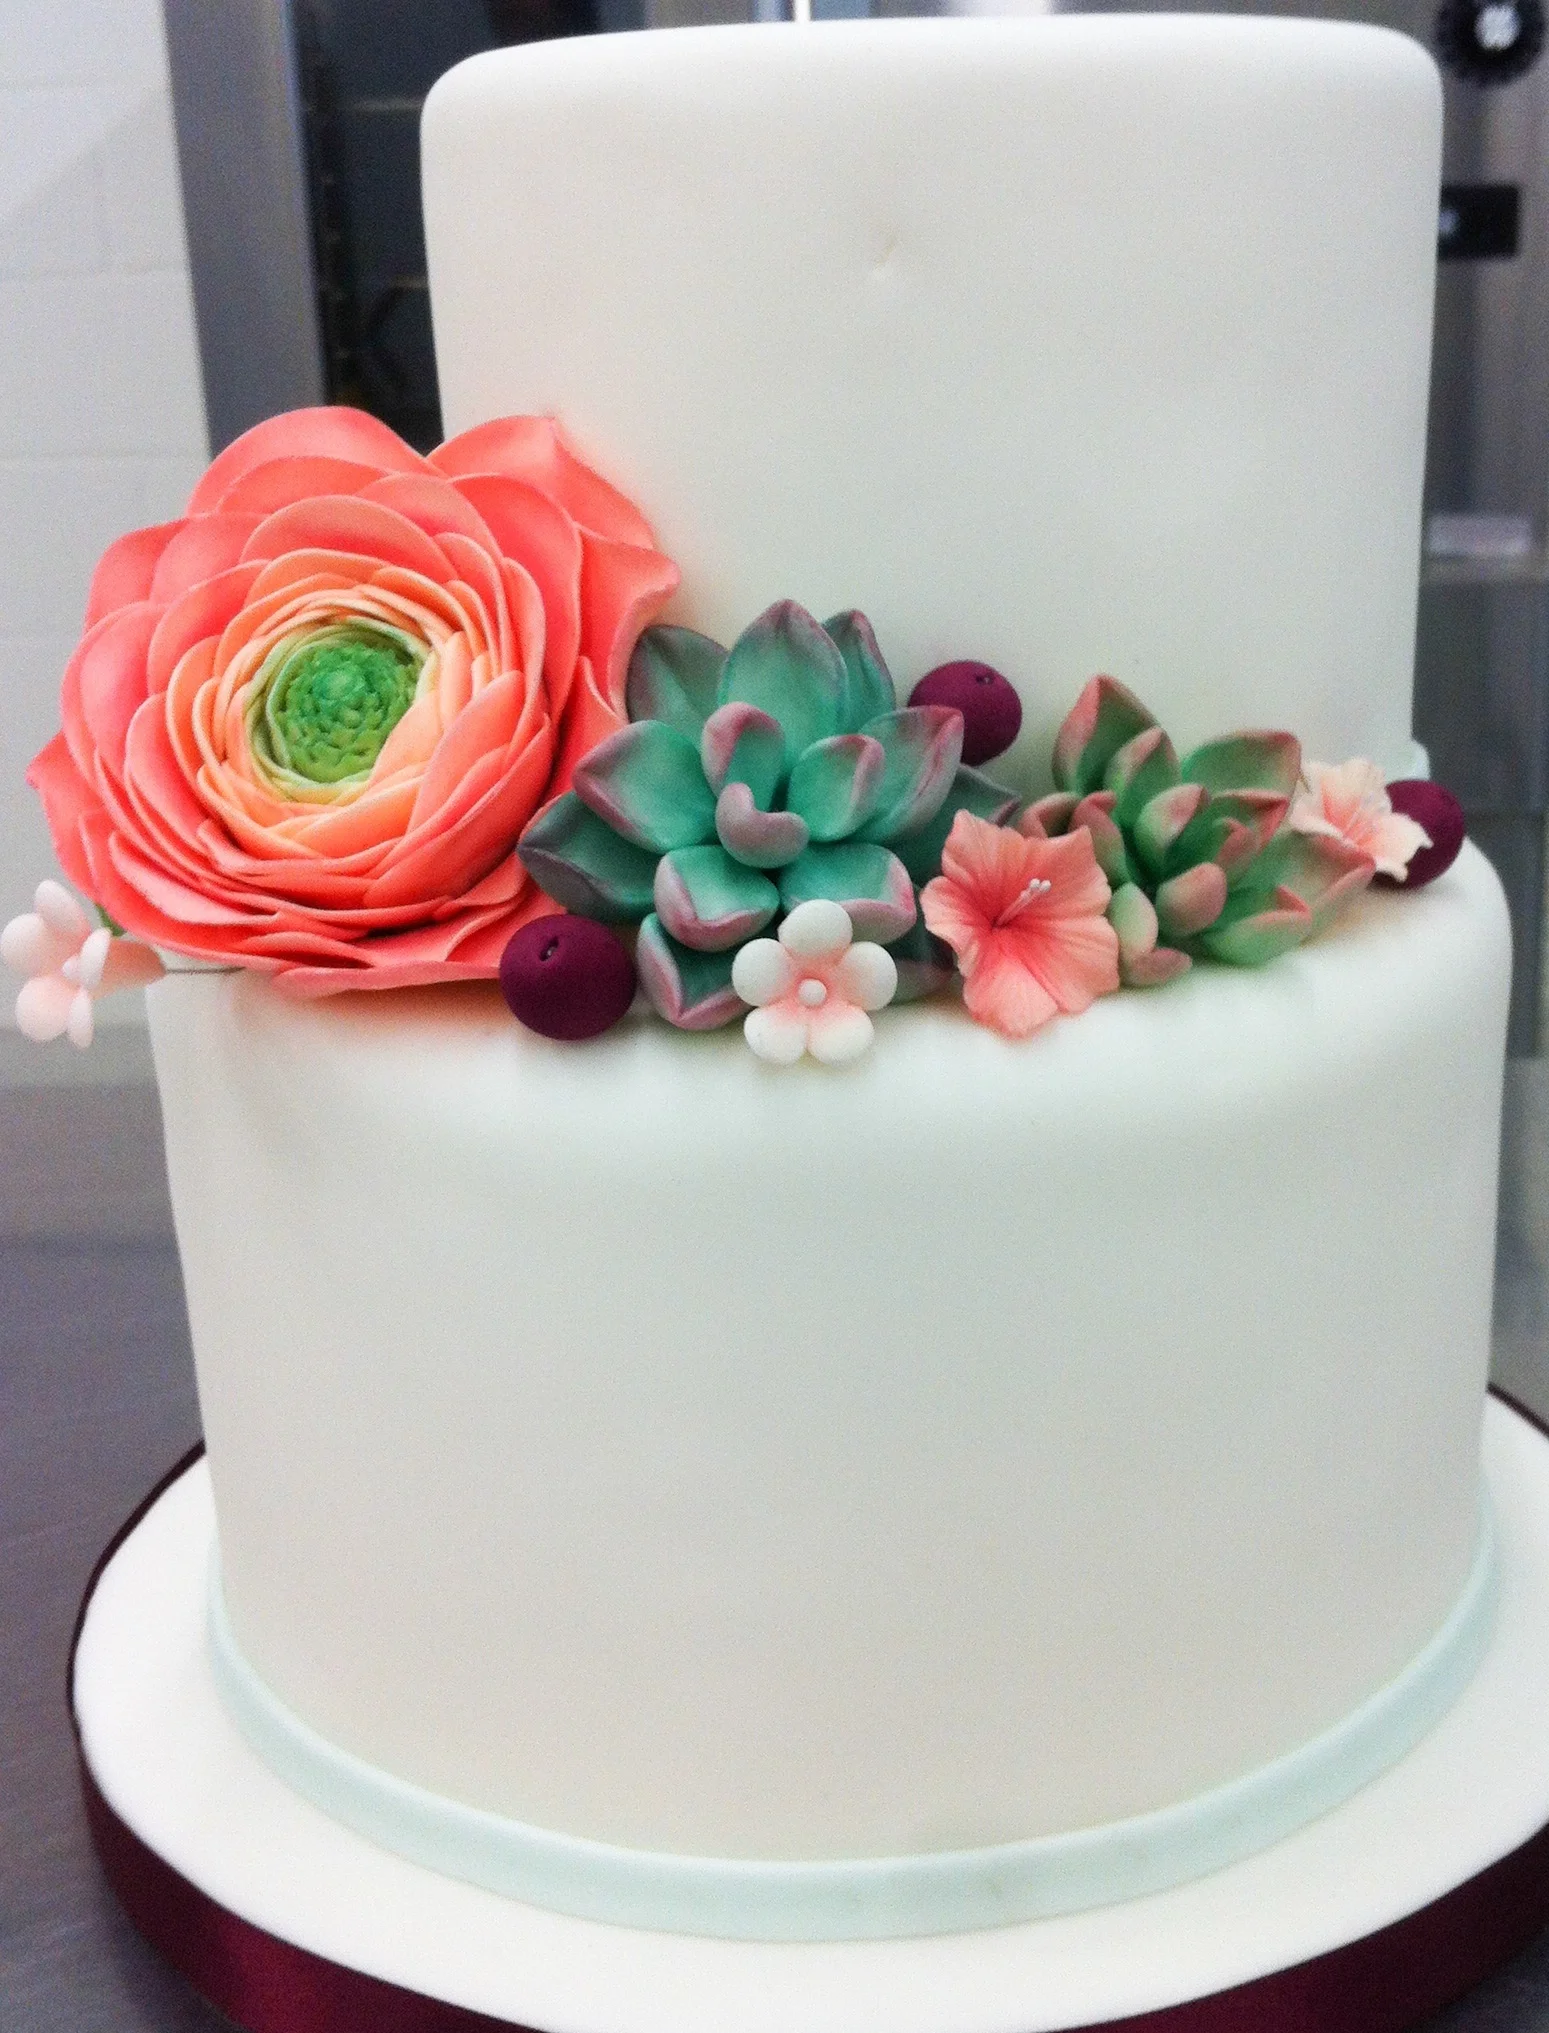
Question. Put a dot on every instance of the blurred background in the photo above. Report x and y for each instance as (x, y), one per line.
(209, 211)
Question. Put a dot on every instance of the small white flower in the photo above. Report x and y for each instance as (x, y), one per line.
(812, 989)
(68, 964)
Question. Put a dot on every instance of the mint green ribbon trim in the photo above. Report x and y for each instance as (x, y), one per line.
(879, 1898)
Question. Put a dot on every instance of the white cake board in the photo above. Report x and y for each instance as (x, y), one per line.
(1432, 1868)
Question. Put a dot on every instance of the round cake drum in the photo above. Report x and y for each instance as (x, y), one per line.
(1368, 1918)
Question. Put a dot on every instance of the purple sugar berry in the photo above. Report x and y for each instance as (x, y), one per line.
(1439, 812)
(567, 977)
(991, 710)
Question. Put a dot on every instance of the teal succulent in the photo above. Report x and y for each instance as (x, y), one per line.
(749, 781)
(1197, 851)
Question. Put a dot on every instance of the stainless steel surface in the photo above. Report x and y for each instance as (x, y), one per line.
(97, 1399)
(244, 198)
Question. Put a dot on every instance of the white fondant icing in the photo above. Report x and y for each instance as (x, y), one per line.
(1077, 344)
(995, 1442)
(162, 1747)
(877, 1898)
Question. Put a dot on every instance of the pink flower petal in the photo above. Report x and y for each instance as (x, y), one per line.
(109, 672)
(1074, 959)
(1003, 994)
(79, 1021)
(61, 912)
(28, 946)
(776, 1034)
(84, 968)
(529, 526)
(763, 972)
(125, 571)
(333, 433)
(432, 504)
(623, 589)
(275, 483)
(531, 449)
(43, 1007)
(990, 865)
(867, 976)
(838, 1032)
(347, 524)
(203, 547)
(129, 965)
(1077, 886)
(1394, 842)
(204, 610)
(67, 800)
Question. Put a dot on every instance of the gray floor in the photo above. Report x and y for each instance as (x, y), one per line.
(96, 1400)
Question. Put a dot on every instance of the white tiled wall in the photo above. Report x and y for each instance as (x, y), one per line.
(101, 415)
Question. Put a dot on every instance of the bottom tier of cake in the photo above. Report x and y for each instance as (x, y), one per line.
(668, 1454)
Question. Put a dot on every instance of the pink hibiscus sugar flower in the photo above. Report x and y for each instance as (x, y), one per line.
(1348, 801)
(1025, 919)
(309, 720)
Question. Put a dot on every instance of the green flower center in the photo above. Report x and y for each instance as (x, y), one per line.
(325, 703)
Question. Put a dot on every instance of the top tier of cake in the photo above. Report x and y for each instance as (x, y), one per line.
(1073, 344)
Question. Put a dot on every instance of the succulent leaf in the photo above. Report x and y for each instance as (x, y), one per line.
(584, 865)
(872, 884)
(692, 990)
(1133, 916)
(1253, 761)
(1047, 818)
(1282, 923)
(969, 791)
(710, 902)
(674, 675)
(1320, 871)
(1288, 892)
(787, 666)
(645, 783)
(1142, 962)
(836, 783)
(924, 962)
(756, 838)
(740, 744)
(1163, 820)
(869, 688)
(1230, 829)
(1138, 772)
(922, 747)
(1105, 716)
(1151, 970)
(1191, 902)
(1095, 813)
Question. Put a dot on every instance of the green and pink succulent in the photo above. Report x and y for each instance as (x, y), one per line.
(1196, 850)
(748, 782)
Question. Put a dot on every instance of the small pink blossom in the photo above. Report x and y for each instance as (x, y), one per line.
(68, 964)
(812, 989)
(1025, 919)
(1348, 801)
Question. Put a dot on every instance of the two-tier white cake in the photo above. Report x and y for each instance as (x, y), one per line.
(1000, 1477)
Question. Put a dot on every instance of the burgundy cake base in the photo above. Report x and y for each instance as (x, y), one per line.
(1372, 1981)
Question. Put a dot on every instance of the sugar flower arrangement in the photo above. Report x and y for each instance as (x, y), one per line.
(307, 721)
(363, 719)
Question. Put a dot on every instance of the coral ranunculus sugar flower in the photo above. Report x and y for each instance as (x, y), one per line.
(308, 722)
